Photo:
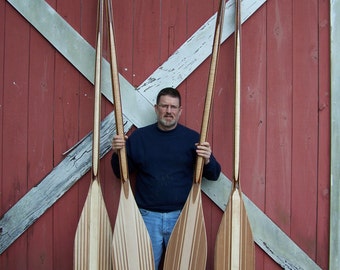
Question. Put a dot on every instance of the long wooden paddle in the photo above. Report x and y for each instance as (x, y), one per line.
(131, 246)
(187, 247)
(92, 246)
(234, 246)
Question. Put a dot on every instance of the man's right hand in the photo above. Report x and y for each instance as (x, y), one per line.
(118, 142)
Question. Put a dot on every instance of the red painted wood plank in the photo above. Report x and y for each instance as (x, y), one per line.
(146, 39)
(223, 113)
(124, 25)
(253, 113)
(305, 125)
(40, 99)
(14, 125)
(40, 146)
(87, 25)
(324, 135)
(2, 71)
(253, 107)
(66, 134)
(194, 88)
(279, 113)
(40, 244)
(2, 87)
(173, 30)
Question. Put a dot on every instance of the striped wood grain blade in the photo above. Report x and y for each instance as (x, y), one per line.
(92, 247)
(187, 247)
(234, 246)
(131, 245)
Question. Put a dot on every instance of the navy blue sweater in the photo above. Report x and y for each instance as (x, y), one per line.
(164, 163)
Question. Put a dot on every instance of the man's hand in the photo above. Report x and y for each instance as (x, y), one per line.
(204, 150)
(118, 142)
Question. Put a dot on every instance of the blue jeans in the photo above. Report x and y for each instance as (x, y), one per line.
(159, 226)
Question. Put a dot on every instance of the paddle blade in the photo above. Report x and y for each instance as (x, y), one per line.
(234, 246)
(187, 247)
(131, 248)
(92, 245)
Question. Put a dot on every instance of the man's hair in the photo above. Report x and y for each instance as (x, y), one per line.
(169, 91)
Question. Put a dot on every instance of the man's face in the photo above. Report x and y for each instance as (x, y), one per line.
(168, 112)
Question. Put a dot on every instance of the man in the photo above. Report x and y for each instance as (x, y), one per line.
(163, 155)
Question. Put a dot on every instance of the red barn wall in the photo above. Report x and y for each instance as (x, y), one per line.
(46, 106)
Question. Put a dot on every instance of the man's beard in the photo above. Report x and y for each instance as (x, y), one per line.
(168, 123)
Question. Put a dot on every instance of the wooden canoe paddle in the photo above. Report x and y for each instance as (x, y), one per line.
(187, 247)
(234, 246)
(131, 246)
(92, 246)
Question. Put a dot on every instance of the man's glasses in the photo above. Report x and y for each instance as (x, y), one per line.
(165, 107)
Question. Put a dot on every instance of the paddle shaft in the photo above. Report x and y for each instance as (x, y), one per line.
(242, 244)
(237, 120)
(92, 247)
(234, 246)
(210, 88)
(97, 93)
(116, 95)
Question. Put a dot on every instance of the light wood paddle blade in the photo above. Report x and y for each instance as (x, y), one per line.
(234, 246)
(131, 245)
(187, 247)
(92, 246)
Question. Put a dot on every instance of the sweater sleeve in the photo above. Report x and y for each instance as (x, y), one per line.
(115, 164)
(212, 170)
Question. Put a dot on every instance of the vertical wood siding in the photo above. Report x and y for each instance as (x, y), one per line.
(69, 116)
(278, 182)
(46, 106)
(15, 124)
(324, 127)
